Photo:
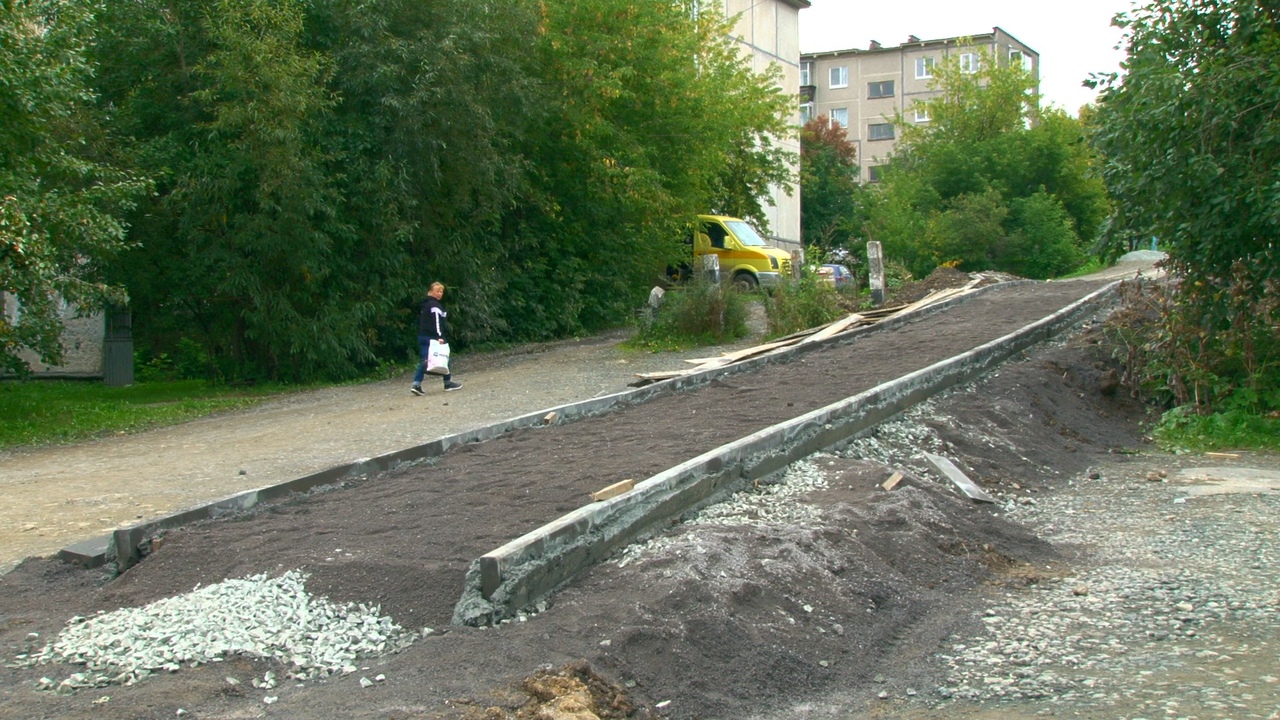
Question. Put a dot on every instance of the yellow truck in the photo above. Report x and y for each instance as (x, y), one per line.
(745, 259)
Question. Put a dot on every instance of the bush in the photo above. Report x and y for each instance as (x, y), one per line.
(1221, 388)
(1174, 360)
(189, 361)
(1043, 241)
(693, 314)
(801, 304)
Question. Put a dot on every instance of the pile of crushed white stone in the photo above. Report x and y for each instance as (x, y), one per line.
(260, 616)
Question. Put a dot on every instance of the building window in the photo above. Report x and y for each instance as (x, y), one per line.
(840, 116)
(922, 113)
(880, 89)
(1017, 57)
(806, 113)
(806, 73)
(880, 131)
(875, 173)
(839, 77)
(924, 68)
(969, 63)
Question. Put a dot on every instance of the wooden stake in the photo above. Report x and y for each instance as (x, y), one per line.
(613, 490)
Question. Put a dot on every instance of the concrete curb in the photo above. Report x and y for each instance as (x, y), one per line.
(126, 546)
(515, 576)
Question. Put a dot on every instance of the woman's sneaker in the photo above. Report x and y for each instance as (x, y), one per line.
(451, 386)
(416, 390)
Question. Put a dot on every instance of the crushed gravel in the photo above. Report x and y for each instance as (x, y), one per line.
(769, 504)
(1179, 587)
(258, 616)
(1172, 610)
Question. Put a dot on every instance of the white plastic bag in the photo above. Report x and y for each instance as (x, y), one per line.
(438, 357)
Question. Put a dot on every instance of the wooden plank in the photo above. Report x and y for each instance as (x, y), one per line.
(613, 490)
(955, 475)
(835, 328)
(893, 480)
(736, 355)
(938, 296)
(1229, 456)
(881, 312)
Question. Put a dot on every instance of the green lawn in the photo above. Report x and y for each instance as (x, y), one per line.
(41, 412)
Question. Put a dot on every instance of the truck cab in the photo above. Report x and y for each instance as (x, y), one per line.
(745, 259)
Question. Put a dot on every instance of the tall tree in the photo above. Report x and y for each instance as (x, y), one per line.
(320, 162)
(989, 145)
(61, 193)
(828, 183)
(655, 118)
(1191, 138)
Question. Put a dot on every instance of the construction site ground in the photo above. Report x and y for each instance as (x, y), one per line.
(856, 612)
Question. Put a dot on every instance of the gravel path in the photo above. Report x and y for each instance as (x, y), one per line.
(1167, 606)
(1106, 583)
(1173, 612)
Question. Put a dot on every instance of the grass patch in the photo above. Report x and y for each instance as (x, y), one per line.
(1091, 266)
(797, 305)
(48, 412)
(1180, 431)
(694, 314)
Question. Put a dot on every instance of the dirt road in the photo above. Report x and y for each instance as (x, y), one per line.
(403, 540)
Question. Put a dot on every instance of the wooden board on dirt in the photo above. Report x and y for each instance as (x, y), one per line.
(957, 476)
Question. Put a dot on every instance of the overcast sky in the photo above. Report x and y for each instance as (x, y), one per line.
(1074, 38)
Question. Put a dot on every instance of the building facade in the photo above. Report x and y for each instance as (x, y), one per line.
(769, 33)
(83, 342)
(863, 90)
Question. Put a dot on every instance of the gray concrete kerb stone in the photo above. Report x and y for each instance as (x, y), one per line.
(514, 577)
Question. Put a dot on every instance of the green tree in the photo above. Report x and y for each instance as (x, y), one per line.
(988, 147)
(320, 162)
(828, 183)
(1192, 142)
(61, 192)
(654, 117)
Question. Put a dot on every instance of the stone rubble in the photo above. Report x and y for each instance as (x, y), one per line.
(1174, 612)
(257, 616)
(768, 504)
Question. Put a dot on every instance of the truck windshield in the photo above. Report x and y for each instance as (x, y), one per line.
(746, 234)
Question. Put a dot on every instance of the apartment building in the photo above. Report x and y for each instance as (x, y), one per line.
(863, 90)
(769, 33)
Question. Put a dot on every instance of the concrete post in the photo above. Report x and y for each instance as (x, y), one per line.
(875, 271)
(711, 267)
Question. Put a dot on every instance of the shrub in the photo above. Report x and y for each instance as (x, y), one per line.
(801, 304)
(696, 313)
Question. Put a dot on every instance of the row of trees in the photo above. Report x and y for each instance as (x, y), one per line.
(293, 173)
(1191, 138)
(991, 181)
(62, 195)
(1182, 148)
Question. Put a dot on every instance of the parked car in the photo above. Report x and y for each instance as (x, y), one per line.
(837, 275)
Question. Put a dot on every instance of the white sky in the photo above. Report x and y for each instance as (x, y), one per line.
(1074, 38)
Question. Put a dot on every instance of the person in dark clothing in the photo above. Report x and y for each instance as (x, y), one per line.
(432, 325)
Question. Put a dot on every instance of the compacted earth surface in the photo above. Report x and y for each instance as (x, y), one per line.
(1107, 580)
